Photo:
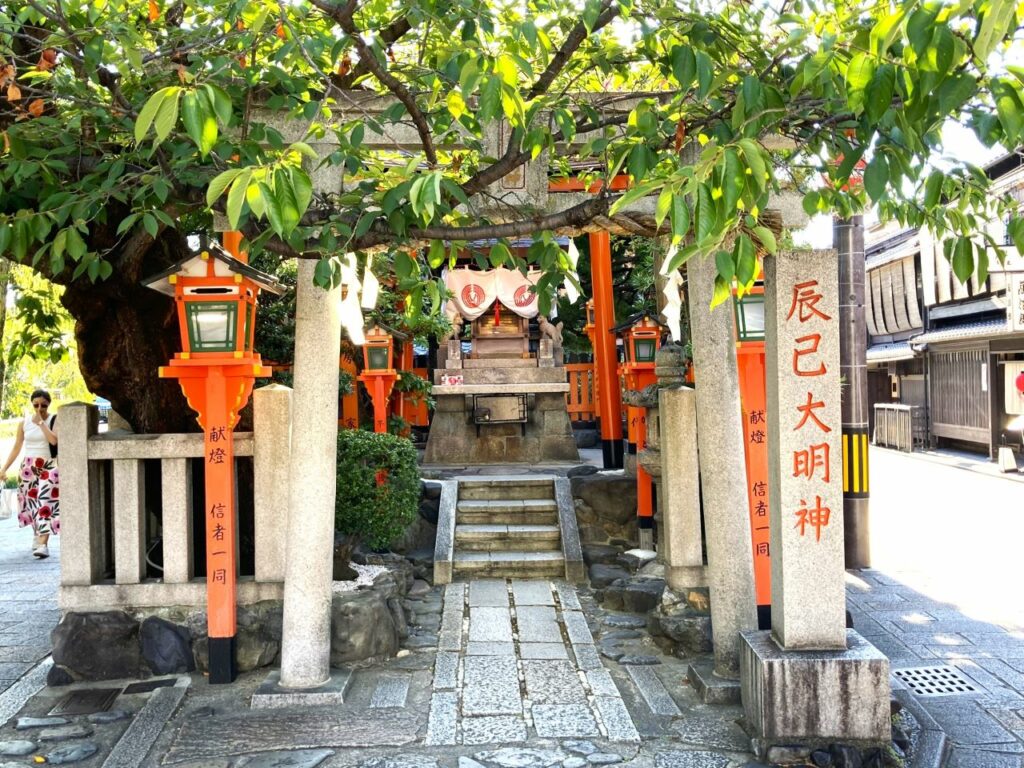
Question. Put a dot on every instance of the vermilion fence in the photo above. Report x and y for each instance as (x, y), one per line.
(581, 398)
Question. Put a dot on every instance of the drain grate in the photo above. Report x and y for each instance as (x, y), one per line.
(86, 702)
(935, 681)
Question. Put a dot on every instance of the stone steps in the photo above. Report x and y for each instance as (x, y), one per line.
(512, 489)
(507, 512)
(522, 538)
(510, 564)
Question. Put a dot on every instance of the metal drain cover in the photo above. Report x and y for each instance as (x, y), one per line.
(87, 702)
(935, 681)
(150, 685)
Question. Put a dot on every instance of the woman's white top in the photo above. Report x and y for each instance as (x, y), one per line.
(36, 445)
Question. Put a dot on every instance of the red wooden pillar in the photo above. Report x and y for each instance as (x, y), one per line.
(750, 359)
(610, 402)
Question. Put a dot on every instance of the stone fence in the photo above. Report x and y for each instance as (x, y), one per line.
(109, 516)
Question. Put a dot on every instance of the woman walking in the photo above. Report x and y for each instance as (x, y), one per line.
(38, 489)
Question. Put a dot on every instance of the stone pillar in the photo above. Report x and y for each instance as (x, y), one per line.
(809, 680)
(306, 640)
(272, 444)
(81, 539)
(724, 472)
(848, 237)
(679, 539)
(805, 471)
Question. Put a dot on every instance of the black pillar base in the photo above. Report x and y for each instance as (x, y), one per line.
(612, 453)
(223, 668)
(631, 448)
(764, 616)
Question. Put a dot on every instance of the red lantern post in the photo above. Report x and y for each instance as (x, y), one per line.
(215, 294)
(378, 374)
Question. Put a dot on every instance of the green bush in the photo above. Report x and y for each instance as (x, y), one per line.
(375, 512)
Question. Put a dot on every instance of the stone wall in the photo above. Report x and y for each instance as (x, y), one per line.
(606, 508)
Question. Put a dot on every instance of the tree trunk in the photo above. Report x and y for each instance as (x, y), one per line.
(5, 281)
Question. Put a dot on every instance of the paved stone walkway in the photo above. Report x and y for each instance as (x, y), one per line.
(28, 601)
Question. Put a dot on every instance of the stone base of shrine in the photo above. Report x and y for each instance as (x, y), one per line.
(814, 697)
(457, 438)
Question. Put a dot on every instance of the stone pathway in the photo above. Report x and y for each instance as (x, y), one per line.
(28, 601)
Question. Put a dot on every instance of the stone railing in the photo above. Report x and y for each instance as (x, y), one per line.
(109, 517)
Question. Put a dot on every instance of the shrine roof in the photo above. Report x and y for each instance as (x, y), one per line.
(633, 319)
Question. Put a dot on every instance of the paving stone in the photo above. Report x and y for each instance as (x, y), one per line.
(639, 660)
(442, 721)
(612, 652)
(521, 757)
(446, 671)
(718, 732)
(488, 592)
(543, 651)
(622, 634)
(469, 762)
(587, 657)
(424, 640)
(574, 762)
(490, 624)
(625, 622)
(110, 716)
(617, 722)
(563, 720)
(17, 747)
(532, 593)
(604, 758)
(553, 682)
(962, 757)
(490, 686)
(601, 683)
(400, 761)
(303, 758)
(653, 691)
(537, 624)
(65, 733)
(499, 729)
(580, 747)
(576, 627)
(477, 648)
(390, 692)
(567, 596)
(24, 723)
(71, 753)
(677, 759)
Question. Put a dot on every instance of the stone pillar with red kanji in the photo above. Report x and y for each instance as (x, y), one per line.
(809, 680)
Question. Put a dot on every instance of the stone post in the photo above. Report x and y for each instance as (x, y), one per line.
(81, 537)
(809, 680)
(723, 468)
(679, 542)
(306, 640)
(272, 444)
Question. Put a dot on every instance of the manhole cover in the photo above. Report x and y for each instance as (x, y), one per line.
(86, 702)
(934, 681)
(150, 685)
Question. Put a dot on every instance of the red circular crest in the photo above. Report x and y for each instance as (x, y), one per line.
(523, 297)
(472, 295)
(1020, 383)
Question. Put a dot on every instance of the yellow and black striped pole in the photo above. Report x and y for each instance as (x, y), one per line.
(848, 236)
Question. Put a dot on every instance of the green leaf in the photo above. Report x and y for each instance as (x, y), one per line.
(221, 103)
(499, 255)
(876, 177)
(272, 201)
(941, 50)
(878, 96)
(810, 203)
(726, 265)
(933, 189)
(746, 261)
(996, 22)
(1015, 229)
(982, 256)
(704, 214)
(220, 183)
(151, 225)
(148, 112)
(200, 123)
(859, 73)
(302, 188)
(285, 197)
(663, 206)
(680, 217)
(733, 181)
(323, 272)
(755, 161)
(705, 73)
(767, 238)
(723, 292)
(884, 33)
(236, 197)
(436, 254)
(963, 259)
(167, 115)
(684, 65)
(1009, 109)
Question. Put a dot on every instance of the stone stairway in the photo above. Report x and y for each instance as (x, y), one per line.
(514, 526)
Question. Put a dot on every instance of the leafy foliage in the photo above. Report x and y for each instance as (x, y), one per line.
(111, 113)
(378, 486)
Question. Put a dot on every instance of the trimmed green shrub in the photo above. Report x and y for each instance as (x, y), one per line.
(378, 489)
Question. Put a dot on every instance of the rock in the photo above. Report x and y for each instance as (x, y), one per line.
(610, 495)
(574, 762)
(638, 660)
(600, 553)
(821, 759)
(419, 587)
(17, 748)
(844, 756)
(301, 758)
(642, 595)
(58, 676)
(469, 762)
(900, 738)
(872, 758)
(894, 757)
(24, 723)
(65, 733)
(583, 470)
(626, 622)
(166, 647)
(622, 634)
(604, 758)
(71, 753)
(430, 510)
(691, 634)
(424, 640)
(97, 646)
(519, 757)
(634, 559)
(580, 747)
(788, 753)
(364, 624)
(602, 575)
(257, 643)
(112, 716)
(612, 652)
(430, 489)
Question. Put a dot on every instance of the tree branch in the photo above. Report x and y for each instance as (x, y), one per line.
(343, 18)
(573, 41)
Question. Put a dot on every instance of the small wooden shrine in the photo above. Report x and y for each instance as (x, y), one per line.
(500, 386)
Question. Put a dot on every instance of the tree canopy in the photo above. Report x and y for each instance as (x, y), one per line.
(126, 125)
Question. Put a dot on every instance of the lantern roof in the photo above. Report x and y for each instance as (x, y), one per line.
(632, 320)
(397, 335)
(224, 265)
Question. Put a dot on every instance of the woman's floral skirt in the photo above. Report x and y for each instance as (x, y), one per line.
(39, 495)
